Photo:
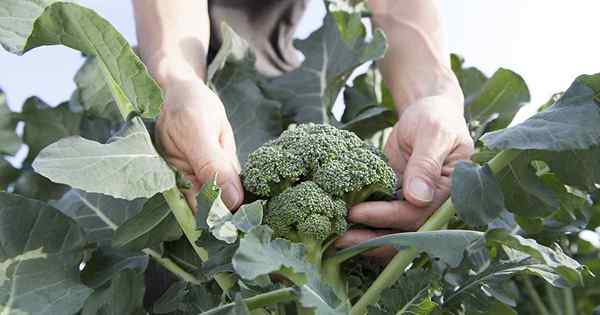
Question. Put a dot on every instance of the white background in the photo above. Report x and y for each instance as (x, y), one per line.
(548, 42)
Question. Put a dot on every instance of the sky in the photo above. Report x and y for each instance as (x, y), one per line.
(548, 42)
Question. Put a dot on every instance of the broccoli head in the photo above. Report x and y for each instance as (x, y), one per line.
(302, 152)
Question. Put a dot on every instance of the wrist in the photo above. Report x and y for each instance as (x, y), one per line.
(168, 69)
(444, 86)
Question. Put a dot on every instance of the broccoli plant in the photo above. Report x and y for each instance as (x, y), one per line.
(94, 209)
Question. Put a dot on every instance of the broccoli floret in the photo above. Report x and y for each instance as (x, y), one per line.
(270, 170)
(306, 213)
(356, 175)
(311, 175)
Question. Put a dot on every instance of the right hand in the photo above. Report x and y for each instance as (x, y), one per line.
(196, 137)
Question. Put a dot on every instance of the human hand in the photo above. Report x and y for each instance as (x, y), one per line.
(196, 137)
(430, 137)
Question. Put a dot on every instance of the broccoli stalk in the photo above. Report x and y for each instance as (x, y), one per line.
(311, 175)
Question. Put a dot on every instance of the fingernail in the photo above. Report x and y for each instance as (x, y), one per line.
(419, 189)
(231, 196)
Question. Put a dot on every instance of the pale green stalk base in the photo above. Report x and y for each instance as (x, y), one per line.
(270, 298)
(534, 296)
(184, 216)
(570, 308)
(403, 259)
(552, 299)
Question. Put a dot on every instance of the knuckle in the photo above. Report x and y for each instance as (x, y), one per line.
(428, 165)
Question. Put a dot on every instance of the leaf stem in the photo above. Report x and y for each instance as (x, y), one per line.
(570, 308)
(186, 220)
(402, 260)
(552, 299)
(172, 266)
(261, 300)
(534, 296)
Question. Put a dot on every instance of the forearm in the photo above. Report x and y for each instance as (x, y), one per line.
(173, 38)
(416, 64)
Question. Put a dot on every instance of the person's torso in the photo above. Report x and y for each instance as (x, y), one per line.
(267, 25)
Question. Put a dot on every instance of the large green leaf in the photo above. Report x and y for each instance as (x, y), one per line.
(127, 167)
(476, 194)
(45, 125)
(27, 24)
(411, 295)
(309, 92)
(153, 225)
(498, 100)
(524, 193)
(555, 259)
(570, 124)
(106, 262)
(93, 94)
(99, 215)
(448, 245)
(8, 125)
(124, 295)
(471, 79)
(32, 185)
(259, 254)
(254, 118)
(40, 252)
(8, 174)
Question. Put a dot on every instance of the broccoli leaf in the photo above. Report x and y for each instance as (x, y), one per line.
(555, 260)
(309, 92)
(27, 24)
(8, 174)
(41, 252)
(259, 255)
(476, 194)
(93, 94)
(93, 167)
(45, 125)
(8, 125)
(558, 133)
(412, 294)
(125, 295)
(448, 245)
(99, 215)
(498, 101)
(153, 225)
(213, 214)
(248, 216)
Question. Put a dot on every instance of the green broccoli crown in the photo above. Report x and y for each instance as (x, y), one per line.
(301, 153)
(306, 211)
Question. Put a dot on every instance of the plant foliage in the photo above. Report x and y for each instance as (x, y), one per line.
(94, 206)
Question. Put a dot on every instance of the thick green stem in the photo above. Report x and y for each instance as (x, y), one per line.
(172, 266)
(265, 299)
(552, 299)
(570, 308)
(403, 259)
(534, 296)
(184, 216)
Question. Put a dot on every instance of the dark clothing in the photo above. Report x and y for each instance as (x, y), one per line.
(267, 25)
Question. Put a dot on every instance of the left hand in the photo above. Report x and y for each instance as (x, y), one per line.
(430, 137)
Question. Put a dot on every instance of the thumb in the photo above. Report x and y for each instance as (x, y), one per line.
(423, 170)
(211, 161)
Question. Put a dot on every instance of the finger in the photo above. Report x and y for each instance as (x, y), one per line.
(398, 214)
(424, 168)
(209, 159)
(354, 237)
